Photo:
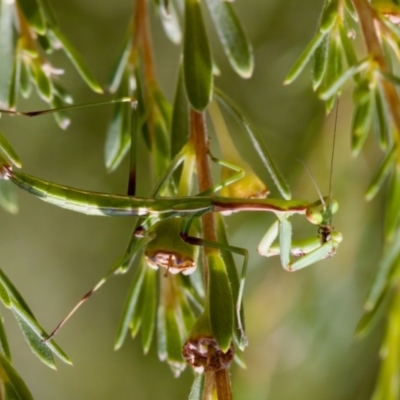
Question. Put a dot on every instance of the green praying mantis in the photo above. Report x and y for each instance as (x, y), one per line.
(309, 251)
(155, 209)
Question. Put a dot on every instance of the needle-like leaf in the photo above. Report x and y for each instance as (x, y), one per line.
(197, 61)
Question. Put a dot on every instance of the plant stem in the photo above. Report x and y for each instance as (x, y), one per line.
(142, 37)
(223, 384)
(199, 140)
(367, 17)
(200, 143)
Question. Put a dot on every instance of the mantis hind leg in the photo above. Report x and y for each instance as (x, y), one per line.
(116, 268)
(234, 178)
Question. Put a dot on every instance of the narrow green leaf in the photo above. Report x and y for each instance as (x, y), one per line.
(336, 85)
(258, 145)
(5, 298)
(220, 302)
(370, 317)
(362, 118)
(170, 21)
(232, 37)
(77, 60)
(33, 337)
(7, 54)
(329, 16)
(136, 320)
(66, 97)
(197, 389)
(391, 256)
(381, 174)
(388, 50)
(180, 118)
(20, 308)
(335, 64)
(118, 137)
(350, 9)
(33, 13)
(160, 147)
(149, 309)
(161, 333)
(197, 61)
(320, 62)
(163, 106)
(188, 317)
(11, 377)
(9, 152)
(5, 348)
(348, 47)
(173, 342)
(8, 197)
(231, 271)
(304, 58)
(382, 117)
(121, 64)
(61, 116)
(25, 79)
(227, 256)
(43, 83)
(9, 391)
(142, 108)
(13, 293)
(48, 12)
(387, 388)
(194, 290)
(393, 201)
(130, 305)
(14, 86)
(329, 104)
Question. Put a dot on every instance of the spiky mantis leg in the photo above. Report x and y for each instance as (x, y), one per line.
(308, 251)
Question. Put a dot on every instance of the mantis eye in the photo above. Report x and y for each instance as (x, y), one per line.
(320, 212)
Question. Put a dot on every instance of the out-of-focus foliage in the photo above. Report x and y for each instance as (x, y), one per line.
(300, 326)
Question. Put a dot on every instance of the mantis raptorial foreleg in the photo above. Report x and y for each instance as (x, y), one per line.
(308, 251)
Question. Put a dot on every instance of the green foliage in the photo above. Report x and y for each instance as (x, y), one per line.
(201, 308)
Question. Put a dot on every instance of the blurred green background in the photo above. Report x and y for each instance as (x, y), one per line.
(300, 326)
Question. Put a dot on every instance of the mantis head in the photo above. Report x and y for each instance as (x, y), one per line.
(320, 212)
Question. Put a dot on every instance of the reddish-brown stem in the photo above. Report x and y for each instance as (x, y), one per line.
(142, 40)
(367, 16)
(199, 139)
(200, 142)
(223, 384)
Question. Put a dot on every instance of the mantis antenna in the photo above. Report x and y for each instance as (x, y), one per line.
(314, 182)
(331, 166)
(333, 149)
